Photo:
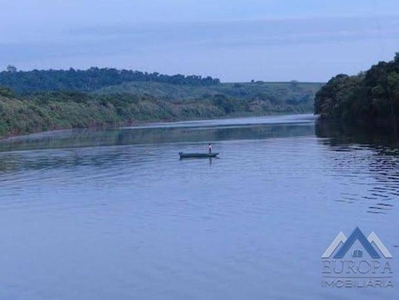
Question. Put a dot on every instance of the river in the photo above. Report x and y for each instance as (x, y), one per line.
(114, 214)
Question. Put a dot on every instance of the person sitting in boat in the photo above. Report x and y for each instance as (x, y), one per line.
(210, 148)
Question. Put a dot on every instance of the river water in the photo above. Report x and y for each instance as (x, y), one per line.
(114, 214)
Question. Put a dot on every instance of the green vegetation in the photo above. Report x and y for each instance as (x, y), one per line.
(251, 98)
(275, 92)
(370, 98)
(55, 110)
(39, 108)
(88, 80)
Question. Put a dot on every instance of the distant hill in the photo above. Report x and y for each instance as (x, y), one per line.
(266, 95)
(89, 80)
(35, 101)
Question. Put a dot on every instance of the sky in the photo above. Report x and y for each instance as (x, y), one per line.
(234, 40)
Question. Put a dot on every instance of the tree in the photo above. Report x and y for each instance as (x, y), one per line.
(11, 69)
(371, 97)
(294, 83)
(6, 92)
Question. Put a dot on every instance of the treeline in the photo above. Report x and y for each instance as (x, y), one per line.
(274, 93)
(89, 80)
(369, 98)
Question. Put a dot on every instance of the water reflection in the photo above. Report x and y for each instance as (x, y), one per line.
(136, 146)
(116, 212)
(261, 129)
(365, 154)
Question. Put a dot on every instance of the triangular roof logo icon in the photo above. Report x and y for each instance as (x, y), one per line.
(347, 243)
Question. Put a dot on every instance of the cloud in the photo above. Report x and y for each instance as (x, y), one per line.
(229, 48)
(245, 32)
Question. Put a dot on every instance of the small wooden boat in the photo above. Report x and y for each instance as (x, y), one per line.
(197, 155)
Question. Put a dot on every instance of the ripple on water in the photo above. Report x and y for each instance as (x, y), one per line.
(134, 221)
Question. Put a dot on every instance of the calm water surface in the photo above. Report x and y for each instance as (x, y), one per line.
(115, 214)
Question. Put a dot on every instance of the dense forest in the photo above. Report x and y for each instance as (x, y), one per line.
(88, 80)
(47, 102)
(369, 98)
(274, 93)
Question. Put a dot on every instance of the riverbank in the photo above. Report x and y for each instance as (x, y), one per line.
(68, 110)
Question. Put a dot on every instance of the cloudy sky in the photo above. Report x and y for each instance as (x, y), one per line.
(234, 40)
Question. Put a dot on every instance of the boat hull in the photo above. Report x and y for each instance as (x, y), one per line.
(197, 155)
